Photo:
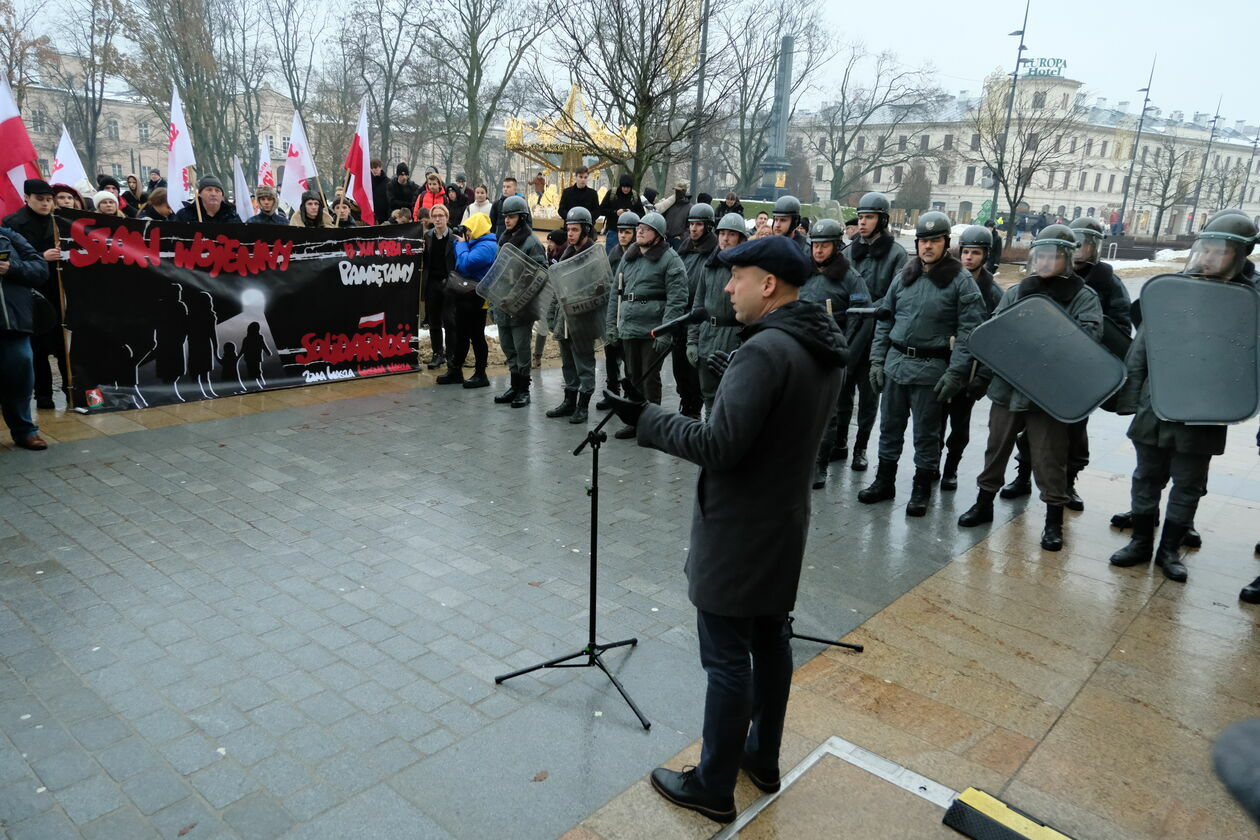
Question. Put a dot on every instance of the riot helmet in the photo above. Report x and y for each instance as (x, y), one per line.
(1221, 247)
(628, 220)
(701, 213)
(827, 230)
(1231, 211)
(787, 205)
(1051, 252)
(515, 205)
(732, 223)
(976, 236)
(932, 225)
(579, 216)
(656, 222)
(1089, 233)
(874, 202)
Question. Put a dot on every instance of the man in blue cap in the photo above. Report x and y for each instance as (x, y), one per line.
(751, 515)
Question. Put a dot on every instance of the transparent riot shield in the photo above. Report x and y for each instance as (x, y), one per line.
(1203, 365)
(513, 282)
(581, 285)
(1037, 347)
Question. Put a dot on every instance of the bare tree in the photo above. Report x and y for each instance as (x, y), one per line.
(89, 34)
(636, 62)
(20, 45)
(382, 55)
(1041, 136)
(1222, 184)
(295, 26)
(338, 95)
(1166, 178)
(915, 192)
(874, 117)
(750, 55)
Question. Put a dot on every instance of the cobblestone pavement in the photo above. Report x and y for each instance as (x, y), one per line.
(287, 624)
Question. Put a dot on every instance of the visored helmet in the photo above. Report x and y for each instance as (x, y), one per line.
(1051, 252)
(701, 213)
(1230, 211)
(656, 222)
(514, 205)
(874, 202)
(1089, 233)
(932, 225)
(787, 205)
(827, 230)
(1222, 246)
(578, 216)
(628, 220)
(734, 222)
(976, 236)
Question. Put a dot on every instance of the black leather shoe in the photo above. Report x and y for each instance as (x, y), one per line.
(859, 461)
(1251, 592)
(453, 376)
(979, 513)
(45, 403)
(884, 486)
(684, 790)
(766, 778)
(1168, 554)
(920, 493)
(1141, 547)
(1052, 533)
(1075, 502)
(1192, 539)
(839, 453)
(1020, 486)
(477, 380)
(820, 475)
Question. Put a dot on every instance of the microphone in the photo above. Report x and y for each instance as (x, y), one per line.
(695, 316)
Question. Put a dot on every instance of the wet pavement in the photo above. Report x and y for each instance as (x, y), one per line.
(286, 623)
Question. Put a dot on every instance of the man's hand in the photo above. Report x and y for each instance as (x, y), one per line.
(877, 376)
(52, 255)
(948, 386)
(4, 267)
(662, 344)
(693, 354)
(718, 362)
(627, 408)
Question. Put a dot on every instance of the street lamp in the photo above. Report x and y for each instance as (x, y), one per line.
(1128, 182)
(1242, 194)
(695, 134)
(1010, 106)
(1198, 190)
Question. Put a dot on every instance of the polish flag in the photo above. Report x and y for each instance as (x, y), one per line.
(67, 167)
(179, 156)
(17, 154)
(359, 164)
(266, 178)
(240, 191)
(299, 166)
(377, 320)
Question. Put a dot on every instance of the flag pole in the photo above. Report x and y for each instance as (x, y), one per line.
(196, 198)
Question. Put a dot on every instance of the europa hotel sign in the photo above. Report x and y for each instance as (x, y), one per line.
(1046, 67)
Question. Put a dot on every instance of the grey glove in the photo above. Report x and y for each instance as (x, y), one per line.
(948, 386)
(693, 354)
(877, 377)
(662, 344)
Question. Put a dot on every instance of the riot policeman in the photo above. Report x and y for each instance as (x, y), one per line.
(786, 220)
(835, 286)
(695, 251)
(876, 256)
(626, 223)
(720, 332)
(973, 250)
(1172, 450)
(515, 332)
(1049, 273)
(577, 353)
(919, 358)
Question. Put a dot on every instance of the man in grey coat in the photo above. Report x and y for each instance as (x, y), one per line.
(720, 331)
(751, 514)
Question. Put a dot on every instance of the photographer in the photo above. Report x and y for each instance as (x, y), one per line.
(475, 248)
(22, 269)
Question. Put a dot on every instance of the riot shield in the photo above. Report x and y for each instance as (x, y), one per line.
(1037, 347)
(1203, 365)
(581, 284)
(513, 282)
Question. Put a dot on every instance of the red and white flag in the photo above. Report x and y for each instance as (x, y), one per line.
(179, 156)
(67, 168)
(17, 154)
(377, 320)
(266, 177)
(240, 191)
(359, 165)
(299, 165)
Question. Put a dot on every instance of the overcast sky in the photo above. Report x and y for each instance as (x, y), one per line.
(1205, 49)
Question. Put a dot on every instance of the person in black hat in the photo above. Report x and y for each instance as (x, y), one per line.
(156, 181)
(35, 223)
(751, 514)
(851, 229)
(402, 191)
(995, 253)
(214, 207)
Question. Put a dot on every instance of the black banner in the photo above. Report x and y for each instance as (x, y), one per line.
(163, 312)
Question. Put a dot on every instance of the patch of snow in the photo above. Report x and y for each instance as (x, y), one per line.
(1169, 254)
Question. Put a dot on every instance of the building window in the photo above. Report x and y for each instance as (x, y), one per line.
(1111, 184)
(1064, 103)
(1097, 181)
(1065, 180)
(943, 178)
(1144, 148)
(39, 121)
(1090, 212)
(924, 142)
(878, 175)
(1102, 150)
(1050, 180)
(1031, 142)
(1058, 142)
(897, 174)
(1039, 100)
(142, 131)
(975, 142)
(902, 142)
(1089, 147)
(1072, 148)
(284, 146)
(861, 144)
(43, 164)
(971, 176)
(818, 172)
(949, 142)
(116, 170)
(111, 129)
(1080, 183)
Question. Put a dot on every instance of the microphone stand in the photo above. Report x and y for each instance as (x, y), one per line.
(591, 655)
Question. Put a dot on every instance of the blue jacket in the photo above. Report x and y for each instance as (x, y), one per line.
(473, 259)
(27, 270)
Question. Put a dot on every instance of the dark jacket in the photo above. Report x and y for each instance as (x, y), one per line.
(616, 202)
(273, 218)
(35, 229)
(756, 456)
(496, 215)
(676, 218)
(1112, 294)
(401, 196)
(878, 262)
(27, 270)
(995, 252)
(380, 198)
(150, 213)
(575, 196)
(989, 290)
(836, 282)
(439, 258)
(651, 287)
(694, 253)
(225, 216)
(722, 208)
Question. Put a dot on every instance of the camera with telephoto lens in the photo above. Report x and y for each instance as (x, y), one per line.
(460, 231)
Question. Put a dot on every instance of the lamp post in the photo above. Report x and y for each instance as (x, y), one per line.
(1128, 181)
(1198, 189)
(1010, 106)
(1242, 193)
(695, 135)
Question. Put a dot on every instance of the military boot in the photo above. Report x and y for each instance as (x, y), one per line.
(583, 408)
(522, 391)
(949, 473)
(1251, 592)
(510, 394)
(820, 473)
(567, 407)
(1192, 539)
(884, 487)
(1021, 484)
(979, 513)
(453, 376)
(1052, 533)
(478, 379)
(1168, 554)
(920, 492)
(859, 452)
(1075, 502)
(1141, 545)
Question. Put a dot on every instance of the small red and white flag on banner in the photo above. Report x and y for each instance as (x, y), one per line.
(17, 154)
(377, 320)
(359, 165)
(299, 165)
(67, 167)
(266, 177)
(179, 156)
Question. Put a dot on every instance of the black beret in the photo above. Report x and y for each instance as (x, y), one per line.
(778, 255)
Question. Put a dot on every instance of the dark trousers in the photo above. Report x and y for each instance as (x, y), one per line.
(1047, 445)
(468, 322)
(859, 381)
(434, 305)
(577, 364)
(638, 355)
(1078, 448)
(17, 384)
(1155, 465)
(52, 344)
(956, 424)
(612, 366)
(514, 338)
(749, 665)
(687, 380)
(902, 404)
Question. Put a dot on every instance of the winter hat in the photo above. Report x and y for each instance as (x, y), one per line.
(103, 181)
(105, 195)
(459, 176)
(311, 195)
(478, 225)
(265, 192)
(625, 180)
(207, 181)
(36, 186)
(402, 169)
(65, 188)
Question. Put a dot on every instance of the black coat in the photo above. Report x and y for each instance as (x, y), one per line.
(721, 209)
(35, 229)
(756, 455)
(27, 271)
(380, 198)
(225, 216)
(576, 196)
(615, 203)
(439, 258)
(401, 196)
(1112, 294)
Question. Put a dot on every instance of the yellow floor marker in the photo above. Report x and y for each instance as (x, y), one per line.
(982, 816)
